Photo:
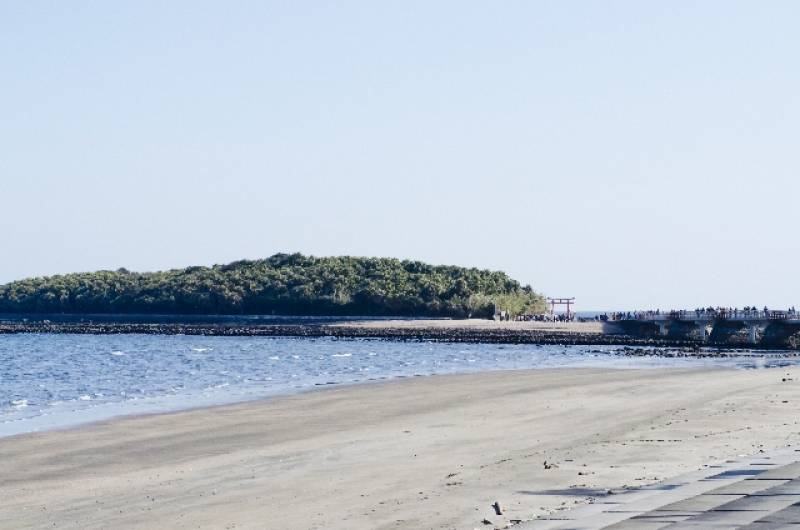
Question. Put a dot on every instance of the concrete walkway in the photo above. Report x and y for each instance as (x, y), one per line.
(754, 493)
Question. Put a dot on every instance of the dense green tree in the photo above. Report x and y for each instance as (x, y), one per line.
(291, 284)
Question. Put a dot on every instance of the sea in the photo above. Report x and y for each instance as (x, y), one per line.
(54, 381)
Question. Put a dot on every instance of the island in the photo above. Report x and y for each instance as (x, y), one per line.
(283, 284)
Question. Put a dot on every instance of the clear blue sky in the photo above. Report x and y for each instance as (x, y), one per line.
(631, 154)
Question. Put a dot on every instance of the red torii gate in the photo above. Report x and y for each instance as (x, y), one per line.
(561, 301)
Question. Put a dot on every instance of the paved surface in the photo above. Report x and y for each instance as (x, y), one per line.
(756, 493)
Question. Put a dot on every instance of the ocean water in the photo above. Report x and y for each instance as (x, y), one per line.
(56, 381)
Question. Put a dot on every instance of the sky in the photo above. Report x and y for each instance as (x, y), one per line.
(630, 154)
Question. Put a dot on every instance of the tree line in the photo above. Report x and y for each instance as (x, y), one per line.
(286, 284)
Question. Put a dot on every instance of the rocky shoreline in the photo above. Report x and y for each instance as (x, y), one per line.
(433, 334)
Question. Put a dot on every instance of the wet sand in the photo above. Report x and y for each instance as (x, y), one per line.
(431, 452)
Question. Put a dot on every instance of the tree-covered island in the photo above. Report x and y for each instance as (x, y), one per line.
(287, 284)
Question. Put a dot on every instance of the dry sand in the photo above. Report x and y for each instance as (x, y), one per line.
(475, 323)
(431, 452)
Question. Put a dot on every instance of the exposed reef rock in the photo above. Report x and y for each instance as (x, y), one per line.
(452, 334)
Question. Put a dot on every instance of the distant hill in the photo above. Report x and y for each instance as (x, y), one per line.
(287, 284)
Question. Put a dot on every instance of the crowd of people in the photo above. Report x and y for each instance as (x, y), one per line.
(701, 312)
(546, 317)
(683, 314)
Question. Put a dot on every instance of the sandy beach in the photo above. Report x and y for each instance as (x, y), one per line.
(431, 452)
(476, 324)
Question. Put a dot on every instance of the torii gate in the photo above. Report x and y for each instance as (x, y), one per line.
(561, 301)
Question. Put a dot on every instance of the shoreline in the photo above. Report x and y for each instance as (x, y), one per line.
(66, 419)
(319, 387)
(382, 455)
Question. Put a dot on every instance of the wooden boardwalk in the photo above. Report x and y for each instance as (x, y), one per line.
(757, 493)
